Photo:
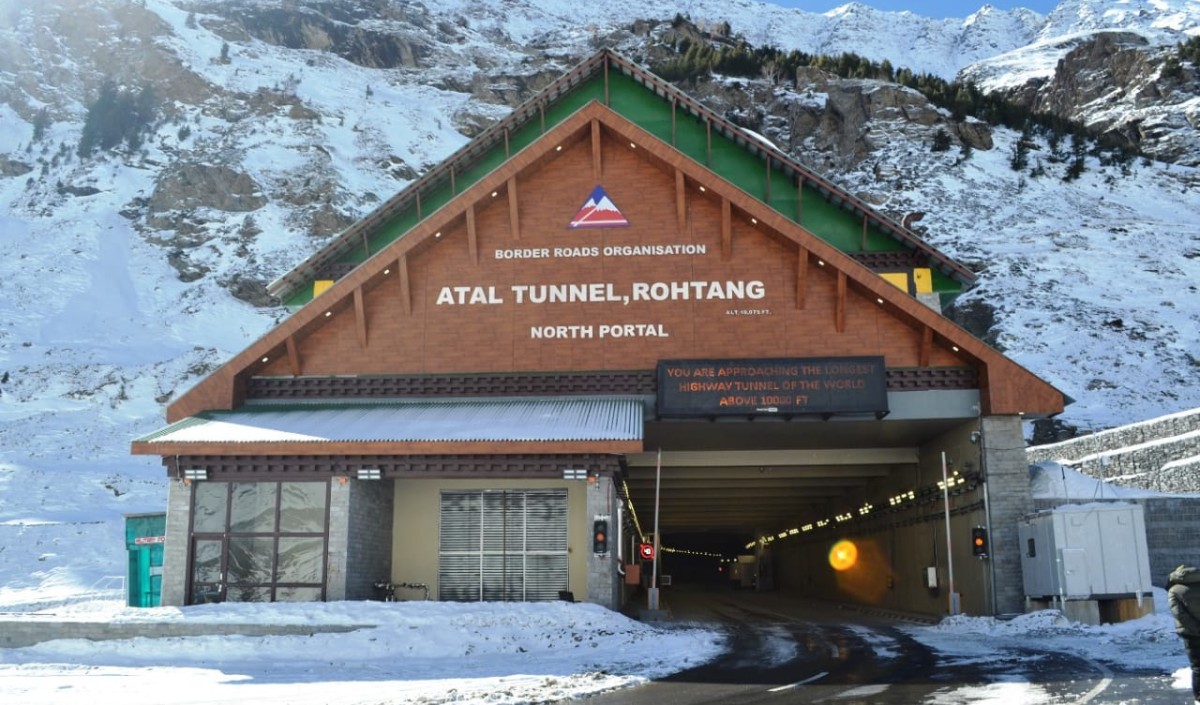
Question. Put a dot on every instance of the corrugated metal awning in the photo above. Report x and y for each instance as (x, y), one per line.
(475, 420)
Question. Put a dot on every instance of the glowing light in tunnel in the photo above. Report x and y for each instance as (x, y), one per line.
(843, 555)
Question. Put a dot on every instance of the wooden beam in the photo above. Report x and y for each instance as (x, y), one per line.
(726, 229)
(293, 354)
(708, 143)
(800, 200)
(514, 222)
(802, 279)
(405, 284)
(680, 201)
(674, 123)
(607, 97)
(596, 165)
(507, 150)
(767, 195)
(926, 346)
(360, 317)
(472, 235)
(839, 315)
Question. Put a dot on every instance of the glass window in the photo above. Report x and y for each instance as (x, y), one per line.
(206, 564)
(273, 535)
(302, 507)
(212, 503)
(252, 507)
(249, 594)
(298, 594)
(300, 559)
(250, 559)
(204, 594)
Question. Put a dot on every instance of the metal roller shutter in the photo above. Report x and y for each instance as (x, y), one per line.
(502, 545)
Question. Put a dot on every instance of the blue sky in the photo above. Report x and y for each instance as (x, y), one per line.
(928, 8)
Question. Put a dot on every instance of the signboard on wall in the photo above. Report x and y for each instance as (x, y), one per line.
(772, 386)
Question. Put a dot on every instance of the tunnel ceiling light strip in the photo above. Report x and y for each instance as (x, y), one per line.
(927, 494)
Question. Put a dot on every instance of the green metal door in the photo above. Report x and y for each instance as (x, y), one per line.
(144, 542)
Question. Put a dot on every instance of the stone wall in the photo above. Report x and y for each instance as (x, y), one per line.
(369, 553)
(1010, 498)
(175, 550)
(1161, 454)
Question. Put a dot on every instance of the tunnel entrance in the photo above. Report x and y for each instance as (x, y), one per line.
(758, 505)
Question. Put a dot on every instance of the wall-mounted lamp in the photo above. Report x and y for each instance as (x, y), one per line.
(575, 474)
(975, 435)
(369, 474)
(195, 474)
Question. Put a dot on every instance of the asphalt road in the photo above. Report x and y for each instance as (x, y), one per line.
(787, 651)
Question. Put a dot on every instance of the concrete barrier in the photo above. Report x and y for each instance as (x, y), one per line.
(31, 630)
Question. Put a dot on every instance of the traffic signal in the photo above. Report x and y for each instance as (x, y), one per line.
(600, 536)
(979, 542)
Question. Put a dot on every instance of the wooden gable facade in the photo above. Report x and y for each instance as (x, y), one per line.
(384, 317)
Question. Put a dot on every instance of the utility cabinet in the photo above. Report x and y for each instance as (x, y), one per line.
(1095, 551)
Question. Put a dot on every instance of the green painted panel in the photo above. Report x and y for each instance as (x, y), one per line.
(744, 169)
(394, 228)
(580, 95)
(879, 241)
(832, 224)
(488, 163)
(691, 138)
(641, 106)
(299, 297)
(943, 284)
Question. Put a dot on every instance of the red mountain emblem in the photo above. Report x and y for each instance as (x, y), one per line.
(598, 212)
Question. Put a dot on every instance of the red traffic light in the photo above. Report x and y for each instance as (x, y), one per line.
(646, 551)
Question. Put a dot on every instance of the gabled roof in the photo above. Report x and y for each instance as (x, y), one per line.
(593, 79)
(1006, 387)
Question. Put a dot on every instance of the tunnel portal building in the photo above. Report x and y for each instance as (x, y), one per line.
(480, 382)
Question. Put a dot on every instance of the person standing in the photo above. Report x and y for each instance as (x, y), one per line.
(1183, 597)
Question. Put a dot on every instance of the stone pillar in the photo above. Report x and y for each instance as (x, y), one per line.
(175, 549)
(602, 569)
(369, 539)
(1009, 498)
(360, 537)
(339, 538)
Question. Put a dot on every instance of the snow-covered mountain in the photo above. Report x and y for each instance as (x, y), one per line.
(129, 273)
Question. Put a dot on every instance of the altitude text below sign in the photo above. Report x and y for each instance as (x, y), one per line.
(826, 385)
